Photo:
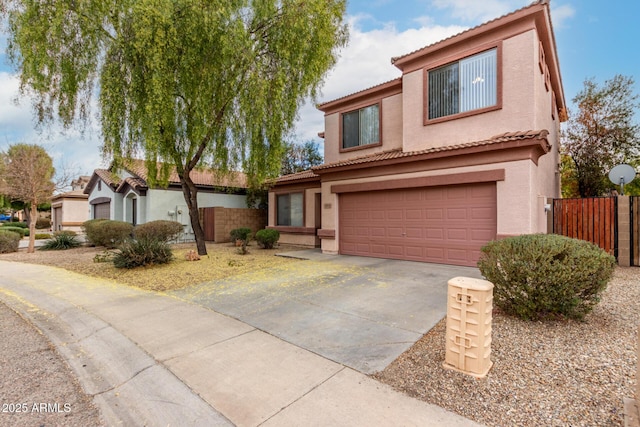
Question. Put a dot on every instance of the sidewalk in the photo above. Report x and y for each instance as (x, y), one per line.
(150, 359)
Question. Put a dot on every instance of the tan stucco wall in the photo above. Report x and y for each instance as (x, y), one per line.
(74, 213)
(392, 129)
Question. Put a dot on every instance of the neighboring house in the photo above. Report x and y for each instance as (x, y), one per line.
(460, 150)
(69, 210)
(124, 195)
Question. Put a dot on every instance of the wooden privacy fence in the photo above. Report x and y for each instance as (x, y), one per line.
(592, 219)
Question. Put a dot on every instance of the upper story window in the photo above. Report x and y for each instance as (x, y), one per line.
(466, 85)
(361, 127)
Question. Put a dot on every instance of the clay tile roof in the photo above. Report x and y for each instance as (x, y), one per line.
(399, 58)
(204, 177)
(308, 174)
(392, 82)
(135, 183)
(397, 154)
(74, 194)
(107, 177)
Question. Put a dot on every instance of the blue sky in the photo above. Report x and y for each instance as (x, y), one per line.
(594, 39)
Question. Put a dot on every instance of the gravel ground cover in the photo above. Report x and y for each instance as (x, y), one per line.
(37, 388)
(553, 373)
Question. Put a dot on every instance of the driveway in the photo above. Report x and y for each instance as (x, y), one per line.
(360, 312)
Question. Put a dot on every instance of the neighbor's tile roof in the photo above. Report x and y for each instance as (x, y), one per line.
(74, 194)
(397, 154)
(204, 177)
(108, 177)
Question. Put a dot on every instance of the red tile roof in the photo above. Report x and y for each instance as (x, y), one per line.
(306, 175)
(204, 177)
(484, 24)
(508, 137)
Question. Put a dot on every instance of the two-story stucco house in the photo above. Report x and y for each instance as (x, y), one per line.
(125, 195)
(460, 150)
(69, 210)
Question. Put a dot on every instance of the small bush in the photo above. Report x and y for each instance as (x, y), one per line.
(267, 238)
(546, 275)
(69, 232)
(105, 232)
(61, 241)
(42, 236)
(160, 230)
(138, 253)
(43, 223)
(18, 230)
(9, 242)
(243, 233)
(105, 256)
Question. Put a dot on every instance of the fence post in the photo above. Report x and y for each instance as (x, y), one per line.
(624, 232)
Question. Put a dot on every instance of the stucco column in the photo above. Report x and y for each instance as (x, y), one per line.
(624, 232)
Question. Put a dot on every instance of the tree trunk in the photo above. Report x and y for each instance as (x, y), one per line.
(190, 192)
(32, 228)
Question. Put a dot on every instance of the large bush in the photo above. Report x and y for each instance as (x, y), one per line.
(141, 252)
(545, 275)
(43, 223)
(267, 238)
(18, 223)
(9, 241)
(18, 230)
(159, 230)
(105, 232)
(61, 240)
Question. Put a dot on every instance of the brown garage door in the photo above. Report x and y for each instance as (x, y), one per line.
(446, 225)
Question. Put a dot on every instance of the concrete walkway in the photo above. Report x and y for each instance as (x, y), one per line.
(150, 359)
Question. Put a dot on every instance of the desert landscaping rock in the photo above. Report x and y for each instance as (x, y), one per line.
(556, 373)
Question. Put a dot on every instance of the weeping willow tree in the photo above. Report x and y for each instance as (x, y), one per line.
(185, 83)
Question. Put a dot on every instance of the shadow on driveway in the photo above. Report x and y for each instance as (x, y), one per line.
(360, 312)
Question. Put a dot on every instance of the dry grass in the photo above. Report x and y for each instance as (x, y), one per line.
(223, 261)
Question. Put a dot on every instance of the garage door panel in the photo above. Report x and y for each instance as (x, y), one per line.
(459, 235)
(457, 214)
(436, 224)
(413, 214)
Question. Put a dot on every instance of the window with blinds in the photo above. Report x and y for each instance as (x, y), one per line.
(466, 85)
(361, 127)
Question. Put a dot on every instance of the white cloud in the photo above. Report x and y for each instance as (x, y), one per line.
(366, 62)
(474, 11)
(561, 14)
(68, 148)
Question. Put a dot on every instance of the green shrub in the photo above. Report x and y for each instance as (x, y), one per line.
(60, 241)
(138, 253)
(267, 238)
(69, 232)
(545, 275)
(105, 232)
(243, 233)
(42, 236)
(18, 224)
(43, 223)
(18, 230)
(159, 230)
(9, 241)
